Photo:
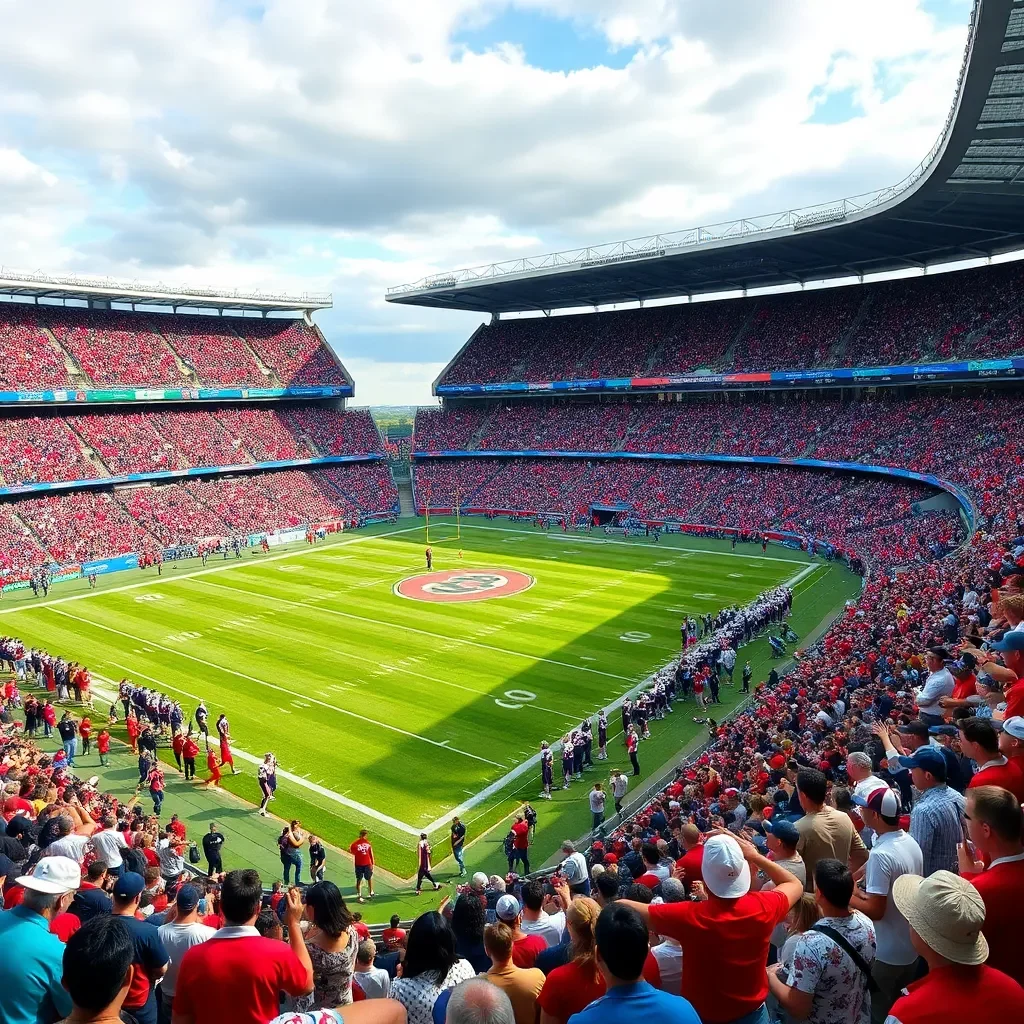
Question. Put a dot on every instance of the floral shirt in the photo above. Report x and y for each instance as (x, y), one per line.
(332, 974)
(419, 994)
(821, 966)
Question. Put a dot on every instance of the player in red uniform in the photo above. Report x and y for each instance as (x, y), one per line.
(212, 767)
(131, 724)
(103, 745)
(224, 731)
(362, 853)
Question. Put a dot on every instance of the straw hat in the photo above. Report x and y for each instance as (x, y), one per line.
(947, 912)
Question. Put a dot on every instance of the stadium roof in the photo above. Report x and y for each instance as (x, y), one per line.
(963, 201)
(105, 290)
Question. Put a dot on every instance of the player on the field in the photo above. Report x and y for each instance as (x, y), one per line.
(430, 558)
(423, 859)
(267, 777)
(546, 770)
(212, 767)
(202, 717)
(566, 761)
(362, 854)
(602, 736)
(224, 732)
(586, 729)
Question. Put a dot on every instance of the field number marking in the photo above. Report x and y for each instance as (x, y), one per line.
(520, 696)
(180, 638)
(149, 597)
(635, 637)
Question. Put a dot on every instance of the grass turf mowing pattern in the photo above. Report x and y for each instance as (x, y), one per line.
(391, 702)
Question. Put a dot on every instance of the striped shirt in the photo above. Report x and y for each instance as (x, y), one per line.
(935, 824)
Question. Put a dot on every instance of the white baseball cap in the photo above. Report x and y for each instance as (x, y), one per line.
(54, 875)
(725, 871)
(507, 908)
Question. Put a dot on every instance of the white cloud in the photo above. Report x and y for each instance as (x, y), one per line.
(352, 146)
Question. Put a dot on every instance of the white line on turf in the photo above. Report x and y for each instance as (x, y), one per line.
(299, 780)
(421, 632)
(158, 580)
(280, 689)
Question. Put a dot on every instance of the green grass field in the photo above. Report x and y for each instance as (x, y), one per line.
(390, 714)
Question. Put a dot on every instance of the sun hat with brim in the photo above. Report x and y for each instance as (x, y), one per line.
(947, 912)
(53, 875)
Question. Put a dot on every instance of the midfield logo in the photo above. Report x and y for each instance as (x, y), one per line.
(463, 585)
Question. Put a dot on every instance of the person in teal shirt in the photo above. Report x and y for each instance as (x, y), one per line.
(622, 945)
(31, 966)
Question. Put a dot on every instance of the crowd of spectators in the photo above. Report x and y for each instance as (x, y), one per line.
(120, 348)
(51, 447)
(869, 517)
(970, 315)
(84, 525)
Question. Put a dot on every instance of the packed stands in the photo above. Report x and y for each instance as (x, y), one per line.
(114, 347)
(52, 447)
(334, 433)
(41, 449)
(29, 359)
(82, 525)
(293, 350)
(120, 348)
(891, 323)
(866, 516)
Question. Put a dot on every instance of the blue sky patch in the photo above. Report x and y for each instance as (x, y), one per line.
(550, 43)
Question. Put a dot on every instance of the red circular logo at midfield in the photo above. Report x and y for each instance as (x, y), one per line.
(464, 585)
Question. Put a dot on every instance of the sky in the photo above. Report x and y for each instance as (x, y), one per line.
(344, 146)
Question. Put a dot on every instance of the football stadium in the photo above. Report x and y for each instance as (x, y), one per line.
(731, 511)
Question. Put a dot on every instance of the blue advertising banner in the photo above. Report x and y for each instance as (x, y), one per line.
(864, 376)
(90, 396)
(113, 564)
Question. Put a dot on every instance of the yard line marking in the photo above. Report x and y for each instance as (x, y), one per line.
(299, 780)
(157, 580)
(634, 545)
(422, 632)
(302, 780)
(281, 689)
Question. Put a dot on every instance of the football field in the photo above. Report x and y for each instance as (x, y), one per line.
(393, 702)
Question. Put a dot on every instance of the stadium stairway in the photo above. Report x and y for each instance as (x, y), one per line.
(75, 373)
(403, 481)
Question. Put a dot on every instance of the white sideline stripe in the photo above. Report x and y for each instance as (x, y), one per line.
(280, 689)
(299, 780)
(206, 572)
(422, 632)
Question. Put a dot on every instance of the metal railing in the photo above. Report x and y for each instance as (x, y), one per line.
(107, 284)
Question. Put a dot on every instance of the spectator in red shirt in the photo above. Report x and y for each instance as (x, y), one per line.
(521, 845)
(980, 742)
(571, 987)
(524, 947)
(994, 823)
(946, 915)
(393, 937)
(690, 862)
(20, 804)
(238, 974)
(728, 934)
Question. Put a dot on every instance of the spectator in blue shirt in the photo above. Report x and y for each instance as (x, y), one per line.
(31, 961)
(622, 947)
